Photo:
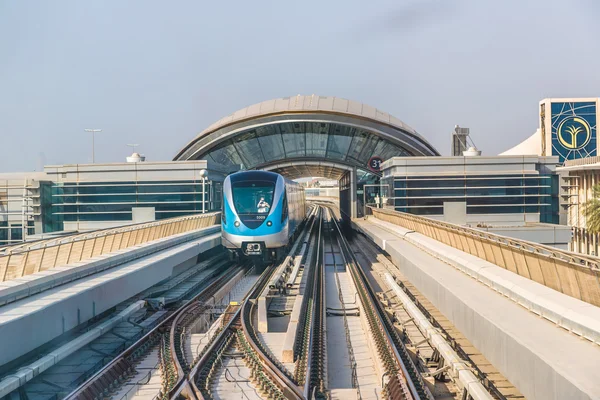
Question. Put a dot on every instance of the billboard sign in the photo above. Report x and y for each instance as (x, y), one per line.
(573, 130)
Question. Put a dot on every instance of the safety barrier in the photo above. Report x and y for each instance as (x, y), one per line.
(39, 256)
(576, 275)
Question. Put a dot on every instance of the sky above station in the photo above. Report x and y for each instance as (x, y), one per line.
(157, 73)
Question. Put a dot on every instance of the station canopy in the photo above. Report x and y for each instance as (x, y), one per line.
(305, 136)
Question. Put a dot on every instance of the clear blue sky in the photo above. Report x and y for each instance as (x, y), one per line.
(158, 72)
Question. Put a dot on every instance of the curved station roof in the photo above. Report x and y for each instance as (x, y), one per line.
(305, 136)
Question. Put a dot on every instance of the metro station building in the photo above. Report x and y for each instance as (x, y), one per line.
(372, 154)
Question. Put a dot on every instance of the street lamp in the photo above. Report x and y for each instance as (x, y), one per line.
(93, 131)
(203, 176)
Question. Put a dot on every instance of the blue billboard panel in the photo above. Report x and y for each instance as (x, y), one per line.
(574, 130)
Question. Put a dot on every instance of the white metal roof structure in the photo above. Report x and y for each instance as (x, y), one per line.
(316, 134)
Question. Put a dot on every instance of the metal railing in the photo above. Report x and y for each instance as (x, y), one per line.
(30, 258)
(576, 275)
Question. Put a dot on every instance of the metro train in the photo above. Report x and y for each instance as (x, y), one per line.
(261, 214)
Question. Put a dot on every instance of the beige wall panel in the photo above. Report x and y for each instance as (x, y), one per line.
(76, 252)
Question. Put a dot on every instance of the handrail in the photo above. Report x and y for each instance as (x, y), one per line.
(28, 246)
(46, 254)
(576, 275)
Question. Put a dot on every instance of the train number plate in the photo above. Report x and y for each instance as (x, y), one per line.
(253, 249)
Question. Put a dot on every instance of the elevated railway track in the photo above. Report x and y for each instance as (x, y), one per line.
(339, 334)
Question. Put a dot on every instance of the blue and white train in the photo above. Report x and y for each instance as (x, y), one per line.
(261, 213)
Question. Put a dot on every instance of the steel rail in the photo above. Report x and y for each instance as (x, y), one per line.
(303, 333)
(121, 365)
(383, 328)
(183, 319)
(344, 311)
(314, 387)
(368, 247)
(238, 323)
(273, 367)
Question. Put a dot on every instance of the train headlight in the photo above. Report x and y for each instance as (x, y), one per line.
(236, 224)
(269, 223)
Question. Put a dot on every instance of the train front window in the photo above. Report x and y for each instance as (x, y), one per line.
(253, 197)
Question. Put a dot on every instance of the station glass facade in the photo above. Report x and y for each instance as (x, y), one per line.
(483, 194)
(293, 140)
(113, 201)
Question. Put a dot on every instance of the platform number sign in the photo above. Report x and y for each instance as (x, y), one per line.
(375, 163)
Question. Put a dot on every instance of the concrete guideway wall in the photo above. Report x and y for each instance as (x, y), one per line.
(541, 360)
(25, 374)
(573, 274)
(34, 257)
(35, 320)
(38, 282)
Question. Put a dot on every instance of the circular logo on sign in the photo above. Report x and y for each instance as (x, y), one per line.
(375, 163)
(574, 133)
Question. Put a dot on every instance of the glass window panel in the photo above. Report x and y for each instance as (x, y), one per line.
(362, 147)
(227, 155)
(95, 208)
(380, 147)
(426, 211)
(337, 146)
(501, 191)
(121, 198)
(167, 189)
(360, 137)
(436, 192)
(162, 197)
(173, 214)
(428, 202)
(251, 197)
(495, 210)
(99, 217)
(516, 181)
(389, 150)
(249, 149)
(293, 142)
(64, 190)
(176, 206)
(272, 147)
(106, 189)
(316, 144)
(494, 200)
(450, 183)
(61, 208)
(532, 200)
(105, 183)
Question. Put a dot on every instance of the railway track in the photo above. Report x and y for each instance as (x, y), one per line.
(262, 374)
(165, 340)
(238, 356)
(404, 379)
(267, 375)
(493, 381)
(234, 361)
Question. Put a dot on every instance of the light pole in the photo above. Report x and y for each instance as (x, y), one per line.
(203, 175)
(133, 146)
(93, 131)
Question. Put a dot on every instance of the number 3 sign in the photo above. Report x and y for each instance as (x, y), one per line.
(375, 163)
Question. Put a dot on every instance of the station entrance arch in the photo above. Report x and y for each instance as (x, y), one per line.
(306, 136)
